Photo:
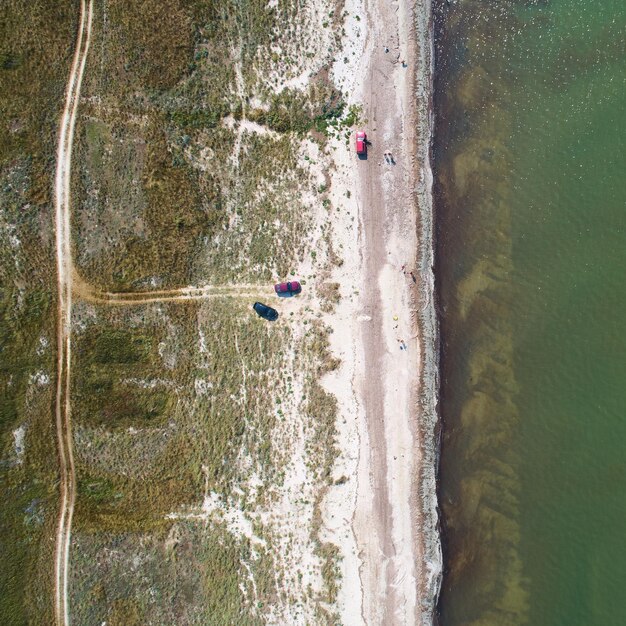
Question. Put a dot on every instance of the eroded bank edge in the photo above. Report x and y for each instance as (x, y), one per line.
(432, 559)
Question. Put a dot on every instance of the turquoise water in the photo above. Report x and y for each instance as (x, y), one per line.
(530, 161)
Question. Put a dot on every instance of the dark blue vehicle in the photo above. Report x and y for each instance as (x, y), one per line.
(266, 312)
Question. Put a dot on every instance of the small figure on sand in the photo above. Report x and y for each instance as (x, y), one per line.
(389, 157)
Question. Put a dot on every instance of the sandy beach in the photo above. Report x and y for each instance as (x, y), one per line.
(385, 332)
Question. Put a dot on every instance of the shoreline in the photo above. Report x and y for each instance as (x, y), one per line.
(427, 318)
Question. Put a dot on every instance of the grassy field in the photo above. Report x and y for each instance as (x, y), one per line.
(191, 420)
(171, 189)
(36, 40)
(171, 404)
(143, 388)
(170, 431)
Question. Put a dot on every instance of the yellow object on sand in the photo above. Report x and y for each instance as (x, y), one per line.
(395, 317)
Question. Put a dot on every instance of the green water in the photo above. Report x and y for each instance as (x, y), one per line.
(531, 174)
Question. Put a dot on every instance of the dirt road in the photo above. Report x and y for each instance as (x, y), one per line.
(64, 279)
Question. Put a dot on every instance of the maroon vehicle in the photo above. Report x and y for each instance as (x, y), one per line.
(291, 287)
(361, 142)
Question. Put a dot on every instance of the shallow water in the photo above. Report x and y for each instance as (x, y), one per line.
(530, 147)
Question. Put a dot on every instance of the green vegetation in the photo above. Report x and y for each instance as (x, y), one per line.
(105, 357)
(329, 292)
(118, 347)
(322, 409)
(299, 112)
(36, 40)
(329, 553)
(134, 474)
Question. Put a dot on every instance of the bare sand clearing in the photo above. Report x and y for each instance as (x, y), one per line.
(384, 516)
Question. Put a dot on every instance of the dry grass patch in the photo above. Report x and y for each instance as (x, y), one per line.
(36, 40)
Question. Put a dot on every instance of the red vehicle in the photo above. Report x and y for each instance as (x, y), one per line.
(361, 142)
(292, 287)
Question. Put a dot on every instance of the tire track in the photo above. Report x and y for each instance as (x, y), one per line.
(148, 298)
(84, 291)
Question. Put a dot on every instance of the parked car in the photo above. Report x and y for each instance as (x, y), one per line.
(291, 287)
(361, 142)
(266, 312)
